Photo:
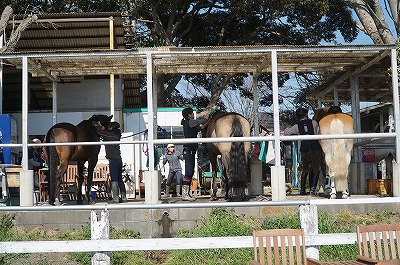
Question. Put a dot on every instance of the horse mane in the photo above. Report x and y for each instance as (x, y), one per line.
(320, 113)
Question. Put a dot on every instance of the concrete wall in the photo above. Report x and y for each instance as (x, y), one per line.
(154, 223)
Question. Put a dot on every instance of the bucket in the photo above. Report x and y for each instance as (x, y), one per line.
(93, 195)
(194, 184)
(379, 186)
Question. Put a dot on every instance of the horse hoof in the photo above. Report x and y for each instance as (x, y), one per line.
(57, 202)
(333, 196)
(345, 196)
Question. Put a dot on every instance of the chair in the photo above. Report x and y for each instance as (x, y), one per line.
(101, 179)
(43, 183)
(141, 182)
(279, 246)
(378, 244)
(70, 182)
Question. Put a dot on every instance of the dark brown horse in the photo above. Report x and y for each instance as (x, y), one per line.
(233, 154)
(58, 157)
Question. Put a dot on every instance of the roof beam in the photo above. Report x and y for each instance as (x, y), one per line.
(39, 69)
(350, 73)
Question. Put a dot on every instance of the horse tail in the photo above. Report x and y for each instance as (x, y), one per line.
(53, 162)
(237, 159)
(341, 157)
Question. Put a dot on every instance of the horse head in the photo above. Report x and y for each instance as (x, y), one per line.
(319, 113)
(103, 119)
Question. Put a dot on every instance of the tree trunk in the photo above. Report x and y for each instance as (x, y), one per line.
(373, 21)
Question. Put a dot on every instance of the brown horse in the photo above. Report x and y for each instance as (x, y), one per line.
(233, 154)
(337, 151)
(58, 157)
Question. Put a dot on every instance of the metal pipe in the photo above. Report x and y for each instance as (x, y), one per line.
(201, 51)
(25, 103)
(54, 102)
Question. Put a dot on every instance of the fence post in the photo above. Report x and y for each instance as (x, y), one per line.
(100, 229)
(309, 222)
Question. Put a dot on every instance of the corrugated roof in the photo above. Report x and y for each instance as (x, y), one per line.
(72, 31)
(63, 32)
(338, 63)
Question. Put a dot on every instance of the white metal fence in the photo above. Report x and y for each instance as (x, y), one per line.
(308, 217)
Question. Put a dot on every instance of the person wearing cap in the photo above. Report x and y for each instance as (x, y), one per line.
(175, 169)
(113, 154)
(35, 160)
(191, 127)
(311, 152)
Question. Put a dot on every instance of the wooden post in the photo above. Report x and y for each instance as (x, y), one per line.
(309, 222)
(100, 229)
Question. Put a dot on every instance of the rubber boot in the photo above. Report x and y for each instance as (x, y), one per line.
(313, 183)
(114, 192)
(303, 184)
(178, 190)
(122, 191)
(166, 194)
(185, 193)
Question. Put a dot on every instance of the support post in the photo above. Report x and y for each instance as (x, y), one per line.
(396, 181)
(309, 222)
(152, 176)
(26, 188)
(100, 229)
(278, 171)
(256, 185)
(54, 102)
(396, 107)
(278, 184)
(152, 180)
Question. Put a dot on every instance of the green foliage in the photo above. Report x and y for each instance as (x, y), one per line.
(291, 219)
(116, 257)
(6, 224)
(221, 223)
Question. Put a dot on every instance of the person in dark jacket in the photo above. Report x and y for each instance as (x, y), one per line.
(191, 127)
(175, 169)
(113, 154)
(35, 161)
(311, 152)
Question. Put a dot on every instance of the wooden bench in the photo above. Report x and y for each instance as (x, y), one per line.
(378, 244)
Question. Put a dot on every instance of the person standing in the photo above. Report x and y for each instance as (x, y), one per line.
(175, 170)
(311, 152)
(191, 127)
(35, 161)
(113, 154)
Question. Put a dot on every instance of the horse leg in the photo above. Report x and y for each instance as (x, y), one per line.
(229, 189)
(60, 173)
(228, 186)
(91, 165)
(333, 189)
(345, 194)
(214, 167)
(81, 178)
(327, 186)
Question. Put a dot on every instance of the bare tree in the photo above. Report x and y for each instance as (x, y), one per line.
(11, 41)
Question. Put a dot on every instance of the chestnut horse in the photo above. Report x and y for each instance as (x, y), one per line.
(337, 151)
(58, 157)
(233, 154)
